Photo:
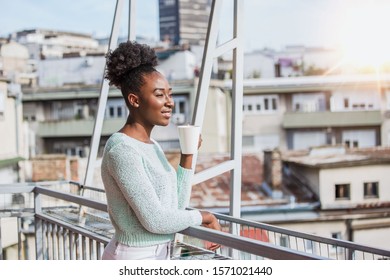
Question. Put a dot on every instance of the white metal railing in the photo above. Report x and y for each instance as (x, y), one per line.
(59, 232)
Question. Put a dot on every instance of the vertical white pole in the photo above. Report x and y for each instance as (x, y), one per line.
(97, 130)
(207, 64)
(132, 20)
(237, 98)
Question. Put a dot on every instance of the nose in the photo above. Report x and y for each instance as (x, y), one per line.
(169, 101)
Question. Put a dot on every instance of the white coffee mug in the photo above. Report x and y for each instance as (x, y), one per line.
(188, 138)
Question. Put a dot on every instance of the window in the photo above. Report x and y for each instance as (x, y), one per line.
(79, 113)
(355, 100)
(353, 144)
(359, 138)
(180, 110)
(337, 235)
(274, 104)
(346, 103)
(111, 112)
(308, 102)
(120, 112)
(266, 104)
(371, 190)
(284, 241)
(248, 141)
(260, 104)
(168, 3)
(115, 108)
(342, 191)
(182, 107)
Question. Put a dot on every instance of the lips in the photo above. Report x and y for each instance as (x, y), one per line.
(167, 114)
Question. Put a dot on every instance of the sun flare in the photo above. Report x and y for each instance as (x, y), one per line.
(365, 39)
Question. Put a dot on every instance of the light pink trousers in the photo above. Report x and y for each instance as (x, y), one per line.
(118, 251)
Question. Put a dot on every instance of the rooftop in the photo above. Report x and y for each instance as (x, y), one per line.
(331, 157)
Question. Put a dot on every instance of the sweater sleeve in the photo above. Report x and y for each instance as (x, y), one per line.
(127, 169)
(184, 186)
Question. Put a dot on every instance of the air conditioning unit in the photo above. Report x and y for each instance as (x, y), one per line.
(14, 90)
(178, 118)
(88, 62)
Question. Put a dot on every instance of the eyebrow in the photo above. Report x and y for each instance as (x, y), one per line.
(163, 89)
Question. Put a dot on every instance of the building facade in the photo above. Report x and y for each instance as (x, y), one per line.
(301, 112)
(47, 43)
(351, 185)
(14, 72)
(184, 22)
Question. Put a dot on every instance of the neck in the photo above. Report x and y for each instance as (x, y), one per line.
(137, 130)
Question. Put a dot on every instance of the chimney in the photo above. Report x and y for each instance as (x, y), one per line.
(277, 68)
(273, 169)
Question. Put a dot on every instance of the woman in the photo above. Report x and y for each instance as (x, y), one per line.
(146, 197)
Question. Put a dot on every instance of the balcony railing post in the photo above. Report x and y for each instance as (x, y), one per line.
(20, 246)
(38, 227)
(1, 247)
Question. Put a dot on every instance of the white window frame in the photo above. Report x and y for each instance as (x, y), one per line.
(256, 104)
(375, 193)
(308, 102)
(345, 197)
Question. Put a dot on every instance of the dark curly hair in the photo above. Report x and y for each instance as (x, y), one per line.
(127, 65)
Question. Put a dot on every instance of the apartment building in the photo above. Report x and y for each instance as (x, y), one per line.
(301, 112)
(14, 71)
(184, 22)
(296, 113)
(11, 148)
(349, 184)
(47, 43)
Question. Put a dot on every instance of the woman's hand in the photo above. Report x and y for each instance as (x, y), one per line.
(210, 221)
(200, 141)
(186, 159)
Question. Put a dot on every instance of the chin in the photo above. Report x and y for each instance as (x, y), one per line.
(164, 123)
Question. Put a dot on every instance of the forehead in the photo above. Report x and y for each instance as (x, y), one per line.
(156, 80)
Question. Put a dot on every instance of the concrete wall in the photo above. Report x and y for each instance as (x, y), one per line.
(55, 167)
(11, 126)
(215, 128)
(355, 176)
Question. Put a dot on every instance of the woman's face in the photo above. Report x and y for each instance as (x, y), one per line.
(155, 100)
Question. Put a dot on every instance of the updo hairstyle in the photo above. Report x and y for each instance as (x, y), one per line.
(127, 65)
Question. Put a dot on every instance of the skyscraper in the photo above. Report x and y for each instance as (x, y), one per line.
(184, 21)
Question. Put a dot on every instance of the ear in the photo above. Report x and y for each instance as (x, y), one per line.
(133, 100)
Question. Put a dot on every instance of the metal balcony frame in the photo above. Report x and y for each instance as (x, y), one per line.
(48, 227)
(211, 52)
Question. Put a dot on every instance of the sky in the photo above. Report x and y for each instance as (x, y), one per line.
(267, 23)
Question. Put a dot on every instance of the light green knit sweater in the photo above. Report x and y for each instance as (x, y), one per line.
(146, 197)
